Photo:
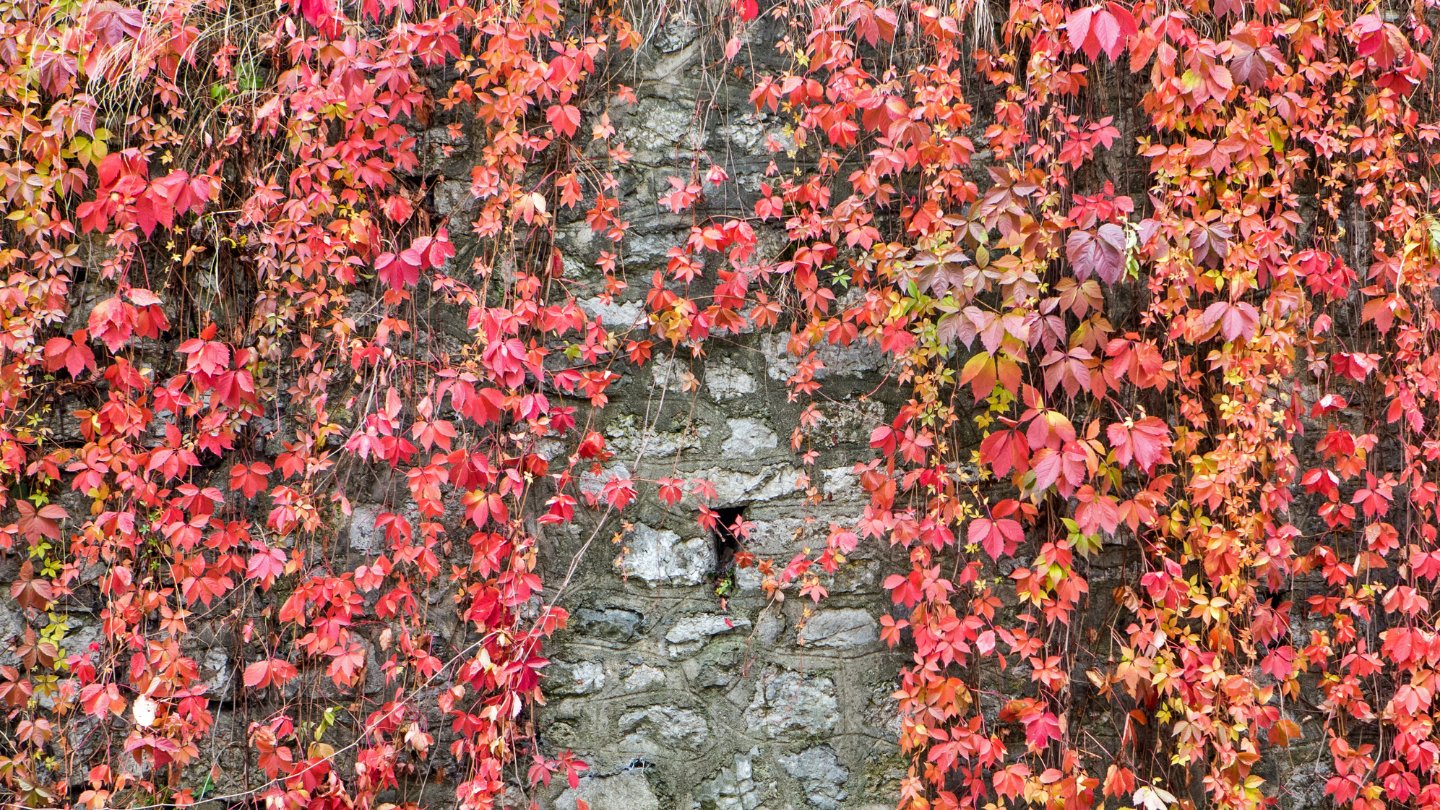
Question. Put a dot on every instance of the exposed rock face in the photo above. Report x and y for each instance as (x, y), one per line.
(624, 791)
(793, 704)
(820, 775)
(847, 628)
(749, 437)
(659, 556)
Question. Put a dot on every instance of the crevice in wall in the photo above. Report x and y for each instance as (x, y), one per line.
(727, 545)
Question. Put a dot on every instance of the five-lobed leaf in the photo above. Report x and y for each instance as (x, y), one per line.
(1098, 253)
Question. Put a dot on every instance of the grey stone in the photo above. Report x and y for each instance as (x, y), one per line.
(769, 626)
(443, 152)
(748, 437)
(658, 729)
(629, 440)
(649, 250)
(850, 421)
(659, 556)
(575, 678)
(454, 199)
(644, 678)
(12, 627)
(659, 131)
(374, 679)
(215, 670)
(1305, 781)
(791, 703)
(841, 484)
(733, 787)
(749, 486)
(577, 238)
(679, 31)
(616, 314)
(717, 666)
(82, 630)
(699, 628)
(845, 628)
(783, 536)
(747, 132)
(748, 580)
(610, 624)
(690, 635)
(857, 359)
(821, 775)
(551, 449)
(364, 537)
(592, 484)
(726, 382)
(627, 790)
(672, 376)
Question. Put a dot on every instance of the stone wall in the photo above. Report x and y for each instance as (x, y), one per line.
(679, 681)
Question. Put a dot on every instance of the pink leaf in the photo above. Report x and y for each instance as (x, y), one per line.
(1236, 320)
(1101, 253)
(1077, 25)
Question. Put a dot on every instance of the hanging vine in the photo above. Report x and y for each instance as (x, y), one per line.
(1159, 279)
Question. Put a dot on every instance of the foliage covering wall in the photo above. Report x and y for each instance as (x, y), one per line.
(1155, 279)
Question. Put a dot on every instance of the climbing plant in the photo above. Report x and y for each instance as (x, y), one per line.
(1158, 280)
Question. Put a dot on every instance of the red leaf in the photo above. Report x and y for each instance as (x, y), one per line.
(564, 118)
(1100, 29)
(1124, 22)
(112, 321)
(1378, 40)
(321, 14)
(1235, 320)
(205, 356)
(113, 23)
(249, 480)
(670, 491)
(884, 438)
(1006, 450)
(272, 671)
(70, 354)
(1047, 468)
(44, 522)
(345, 666)
(1010, 782)
(1146, 442)
(29, 591)
(979, 373)
(997, 537)
(1070, 369)
(397, 272)
(1107, 33)
(1077, 26)
(619, 492)
(266, 565)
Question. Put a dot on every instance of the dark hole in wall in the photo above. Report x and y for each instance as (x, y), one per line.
(727, 544)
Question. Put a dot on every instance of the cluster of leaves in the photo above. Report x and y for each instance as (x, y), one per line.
(1219, 376)
(1216, 377)
(216, 270)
